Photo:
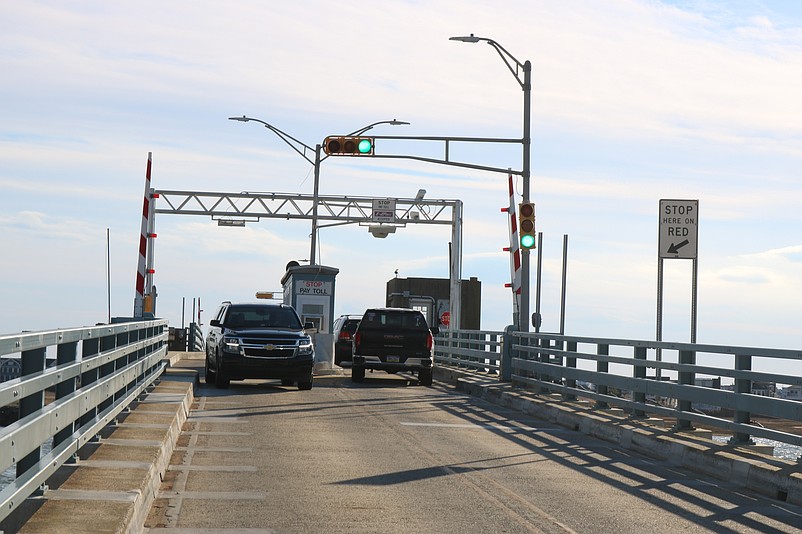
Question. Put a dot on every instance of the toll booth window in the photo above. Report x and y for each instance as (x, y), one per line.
(312, 309)
(315, 322)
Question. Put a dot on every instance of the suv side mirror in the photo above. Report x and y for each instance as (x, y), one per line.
(309, 325)
(435, 330)
(214, 322)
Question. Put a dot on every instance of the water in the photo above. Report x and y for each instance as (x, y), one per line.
(781, 450)
(8, 475)
(11, 473)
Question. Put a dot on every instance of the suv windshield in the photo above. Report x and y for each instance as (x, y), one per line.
(256, 316)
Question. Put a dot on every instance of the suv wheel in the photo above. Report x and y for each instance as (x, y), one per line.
(220, 380)
(208, 373)
(425, 377)
(305, 385)
(357, 373)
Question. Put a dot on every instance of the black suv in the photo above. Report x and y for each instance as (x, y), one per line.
(258, 340)
(344, 328)
(392, 340)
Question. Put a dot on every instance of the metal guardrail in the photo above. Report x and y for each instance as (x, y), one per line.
(684, 383)
(97, 372)
(478, 350)
(195, 341)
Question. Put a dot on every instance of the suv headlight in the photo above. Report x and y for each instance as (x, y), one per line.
(231, 344)
(305, 347)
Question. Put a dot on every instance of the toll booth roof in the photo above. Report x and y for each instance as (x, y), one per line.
(309, 270)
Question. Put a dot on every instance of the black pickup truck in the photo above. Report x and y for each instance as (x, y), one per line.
(392, 340)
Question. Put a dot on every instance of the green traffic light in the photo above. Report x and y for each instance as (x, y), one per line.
(365, 146)
(528, 241)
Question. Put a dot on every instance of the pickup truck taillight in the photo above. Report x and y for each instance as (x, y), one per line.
(429, 341)
(357, 339)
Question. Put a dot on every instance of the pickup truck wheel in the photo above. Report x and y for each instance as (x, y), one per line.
(357, 374)
(425, 377)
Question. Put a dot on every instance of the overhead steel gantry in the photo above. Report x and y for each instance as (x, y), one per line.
(237, 209)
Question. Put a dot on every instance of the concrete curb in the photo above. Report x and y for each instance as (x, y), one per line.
(113, 484)
(765, 475)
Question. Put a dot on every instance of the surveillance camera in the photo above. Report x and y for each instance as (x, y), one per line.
(381, 231)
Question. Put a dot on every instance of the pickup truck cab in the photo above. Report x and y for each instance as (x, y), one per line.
(392, 340)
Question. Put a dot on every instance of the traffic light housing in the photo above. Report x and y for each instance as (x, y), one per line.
(526, 227)
(344, 145)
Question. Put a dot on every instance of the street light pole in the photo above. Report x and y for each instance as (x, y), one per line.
(523, 319)
(314, 205)
(516, 68)
(302, 148)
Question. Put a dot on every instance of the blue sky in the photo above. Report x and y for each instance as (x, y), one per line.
(632, 101)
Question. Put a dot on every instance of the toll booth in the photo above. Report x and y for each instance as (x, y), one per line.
(310, 290)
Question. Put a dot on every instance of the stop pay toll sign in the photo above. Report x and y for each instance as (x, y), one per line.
(679, 229)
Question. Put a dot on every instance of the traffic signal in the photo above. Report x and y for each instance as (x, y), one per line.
(339, 145)
(526, 213)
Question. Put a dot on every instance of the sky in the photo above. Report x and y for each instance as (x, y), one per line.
(633, 101)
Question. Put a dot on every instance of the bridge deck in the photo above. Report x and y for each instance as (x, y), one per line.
(112, 487)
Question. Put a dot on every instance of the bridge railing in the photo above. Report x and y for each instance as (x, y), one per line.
(95, 373)
(680, 381)
(477, 350)
(195, 341)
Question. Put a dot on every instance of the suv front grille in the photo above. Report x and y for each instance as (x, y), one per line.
(269, 347)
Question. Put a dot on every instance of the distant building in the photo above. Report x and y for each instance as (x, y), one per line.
(708, 382)
(431, 296)
(765, 389)
(792, 393)
(10, 368)
(713, 383)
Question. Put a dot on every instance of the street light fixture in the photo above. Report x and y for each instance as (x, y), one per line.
(302, 148)
(523, 75)
(287, 138)
(394, 122)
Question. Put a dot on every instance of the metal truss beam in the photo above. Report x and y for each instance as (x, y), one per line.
(337, 209)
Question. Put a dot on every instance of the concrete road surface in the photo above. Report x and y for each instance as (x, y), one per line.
(390, 456)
